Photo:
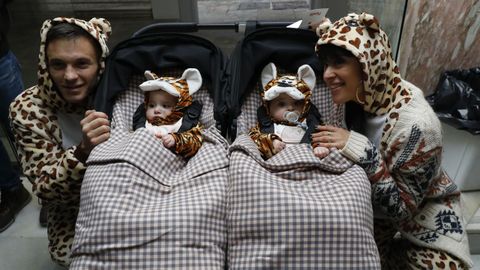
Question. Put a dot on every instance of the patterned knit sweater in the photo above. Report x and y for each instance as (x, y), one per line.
(408, 184)
(409, 188)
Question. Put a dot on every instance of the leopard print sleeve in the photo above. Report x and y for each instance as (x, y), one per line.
(56, 173)
(189, 142)
(264, 141)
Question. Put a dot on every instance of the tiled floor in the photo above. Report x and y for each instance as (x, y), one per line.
(23, 246)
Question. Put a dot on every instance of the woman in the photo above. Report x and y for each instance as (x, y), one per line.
(397, 138)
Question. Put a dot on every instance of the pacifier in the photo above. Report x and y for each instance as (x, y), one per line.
(292, 117)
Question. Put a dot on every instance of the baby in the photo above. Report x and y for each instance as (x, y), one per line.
(170, 113)
(286, 117)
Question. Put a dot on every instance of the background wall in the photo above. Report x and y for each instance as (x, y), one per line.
(437, 36)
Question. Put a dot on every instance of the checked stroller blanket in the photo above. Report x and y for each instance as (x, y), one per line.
(296, 211)
(144, 207)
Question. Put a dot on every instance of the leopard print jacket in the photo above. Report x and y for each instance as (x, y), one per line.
(56, 174)
(410, 191)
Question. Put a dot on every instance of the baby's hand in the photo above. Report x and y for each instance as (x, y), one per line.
(321, 152)
(278, 145)
(168, 140)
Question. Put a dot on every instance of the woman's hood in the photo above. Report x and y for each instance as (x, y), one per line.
(362, 36)
(100, 30)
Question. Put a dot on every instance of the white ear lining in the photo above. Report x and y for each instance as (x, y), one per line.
(269, 72)
(306, 73)
(193, 78)
(150, 75)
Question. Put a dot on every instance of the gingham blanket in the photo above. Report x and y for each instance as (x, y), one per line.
(295, 211)
(144, 207)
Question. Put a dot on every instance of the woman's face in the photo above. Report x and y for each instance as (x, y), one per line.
(343, 78)
(282, 104)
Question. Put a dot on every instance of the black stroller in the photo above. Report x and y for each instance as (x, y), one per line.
(294, 210)
(142, 206)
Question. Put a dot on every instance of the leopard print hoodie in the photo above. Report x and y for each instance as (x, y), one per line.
(55, 172)
(409, 189)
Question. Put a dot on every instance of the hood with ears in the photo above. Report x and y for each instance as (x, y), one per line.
(98, 28)
(362, 36)
(298, 87)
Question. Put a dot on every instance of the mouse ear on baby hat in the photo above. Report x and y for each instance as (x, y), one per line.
(306, 73)
(193, 78)
(150, 75)
(269, 73)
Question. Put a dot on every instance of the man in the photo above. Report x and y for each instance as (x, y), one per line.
(13, 195)
(54, 129)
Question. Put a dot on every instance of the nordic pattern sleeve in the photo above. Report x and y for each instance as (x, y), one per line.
(401, 175)
(264, 141)
(187, 143)
(56, 173)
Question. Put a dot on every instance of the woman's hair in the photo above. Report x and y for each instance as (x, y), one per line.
(329, 53)
(354, 113)
(70, 31)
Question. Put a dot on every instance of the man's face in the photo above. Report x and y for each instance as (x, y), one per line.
(73, 67)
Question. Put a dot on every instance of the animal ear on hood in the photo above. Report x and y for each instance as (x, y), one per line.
(269, 73)
(102, 25)
(193, 78)
(324, 27)
(306, 73)
(369, 21)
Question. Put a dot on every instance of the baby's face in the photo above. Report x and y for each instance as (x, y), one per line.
(284, 103)
(160, 104)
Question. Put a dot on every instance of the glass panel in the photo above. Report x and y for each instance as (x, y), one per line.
(389, 12)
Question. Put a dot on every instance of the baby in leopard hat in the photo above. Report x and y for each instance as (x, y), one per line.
(170, 113)
(286, 116)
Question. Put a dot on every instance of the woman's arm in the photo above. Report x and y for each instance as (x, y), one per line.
(402, 173)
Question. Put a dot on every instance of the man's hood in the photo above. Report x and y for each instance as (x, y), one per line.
(100, 30)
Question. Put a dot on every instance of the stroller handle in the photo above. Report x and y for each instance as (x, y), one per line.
(189, 27)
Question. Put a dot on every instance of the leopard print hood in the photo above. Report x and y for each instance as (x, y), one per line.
(99, 28)
(362, 36)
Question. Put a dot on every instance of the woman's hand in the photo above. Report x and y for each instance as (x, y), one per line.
(330, 136)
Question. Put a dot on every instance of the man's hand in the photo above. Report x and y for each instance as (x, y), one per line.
(95, 129)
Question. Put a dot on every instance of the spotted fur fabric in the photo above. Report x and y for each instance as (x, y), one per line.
(409, 188)
(55, 172)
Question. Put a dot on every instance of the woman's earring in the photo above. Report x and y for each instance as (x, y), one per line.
(362, 102)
